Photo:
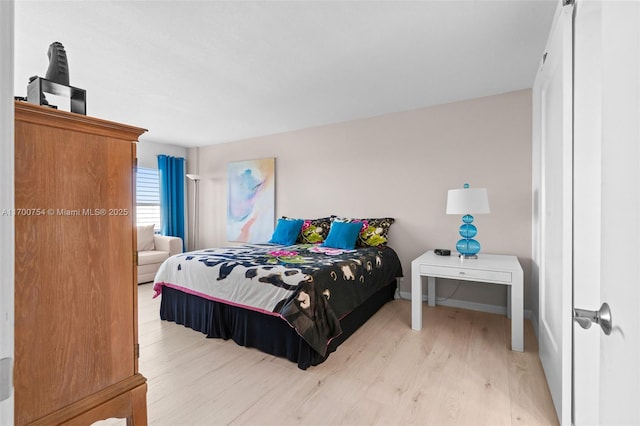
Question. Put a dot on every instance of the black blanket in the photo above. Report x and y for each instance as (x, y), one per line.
(309, 286)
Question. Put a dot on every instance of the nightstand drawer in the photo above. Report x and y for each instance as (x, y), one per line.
(468, 274)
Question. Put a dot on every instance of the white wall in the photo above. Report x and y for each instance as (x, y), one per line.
(399, 165)
(6, 195)
(148, 152)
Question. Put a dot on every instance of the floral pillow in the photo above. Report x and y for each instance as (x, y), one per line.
(374, 232)
(314, 231)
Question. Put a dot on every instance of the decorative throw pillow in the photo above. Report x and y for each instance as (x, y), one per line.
(145, 237)
(374, 232)
(286, 231)
(314, 231)
(343, 235)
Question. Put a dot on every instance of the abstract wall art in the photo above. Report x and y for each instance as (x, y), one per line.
(251, 200)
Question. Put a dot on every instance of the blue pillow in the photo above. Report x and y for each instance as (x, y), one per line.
(343, 235)
(287, 231)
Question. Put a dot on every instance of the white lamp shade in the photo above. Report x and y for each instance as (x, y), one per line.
(467, 201)
(193, 177)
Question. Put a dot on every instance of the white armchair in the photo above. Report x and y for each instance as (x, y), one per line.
(154, 249)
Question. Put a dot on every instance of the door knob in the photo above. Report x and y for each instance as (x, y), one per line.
(602, 316)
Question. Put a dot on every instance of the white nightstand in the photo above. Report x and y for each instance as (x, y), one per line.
(487, 268)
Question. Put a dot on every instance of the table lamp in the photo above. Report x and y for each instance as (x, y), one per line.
(467, 201)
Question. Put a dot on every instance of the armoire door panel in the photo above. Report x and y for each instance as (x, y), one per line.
(75, 320)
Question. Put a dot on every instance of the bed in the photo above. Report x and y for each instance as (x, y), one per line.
(298, 301)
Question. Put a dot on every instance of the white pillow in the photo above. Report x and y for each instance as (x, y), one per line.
(145, 237)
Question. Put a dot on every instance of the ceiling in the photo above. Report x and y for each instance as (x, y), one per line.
(197, 73)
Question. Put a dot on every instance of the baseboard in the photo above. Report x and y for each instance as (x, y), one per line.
(473, 306)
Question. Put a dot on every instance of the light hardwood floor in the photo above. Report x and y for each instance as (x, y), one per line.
(457, 371)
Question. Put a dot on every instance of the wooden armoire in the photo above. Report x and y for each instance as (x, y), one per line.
(76, 337)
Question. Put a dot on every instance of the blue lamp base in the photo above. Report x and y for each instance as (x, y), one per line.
(467, 246)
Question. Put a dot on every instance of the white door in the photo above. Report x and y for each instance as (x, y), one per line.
(6, 202)
(607, 210)
(552, 187)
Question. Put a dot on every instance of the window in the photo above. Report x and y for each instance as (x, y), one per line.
(148, 197)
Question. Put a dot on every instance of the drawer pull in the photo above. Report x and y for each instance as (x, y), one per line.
(461, 272)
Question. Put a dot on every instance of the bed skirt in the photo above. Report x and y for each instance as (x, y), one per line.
(267, 333)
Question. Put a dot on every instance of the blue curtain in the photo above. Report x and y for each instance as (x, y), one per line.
(171, 196)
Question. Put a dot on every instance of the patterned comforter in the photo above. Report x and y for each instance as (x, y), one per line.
(310, 287)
